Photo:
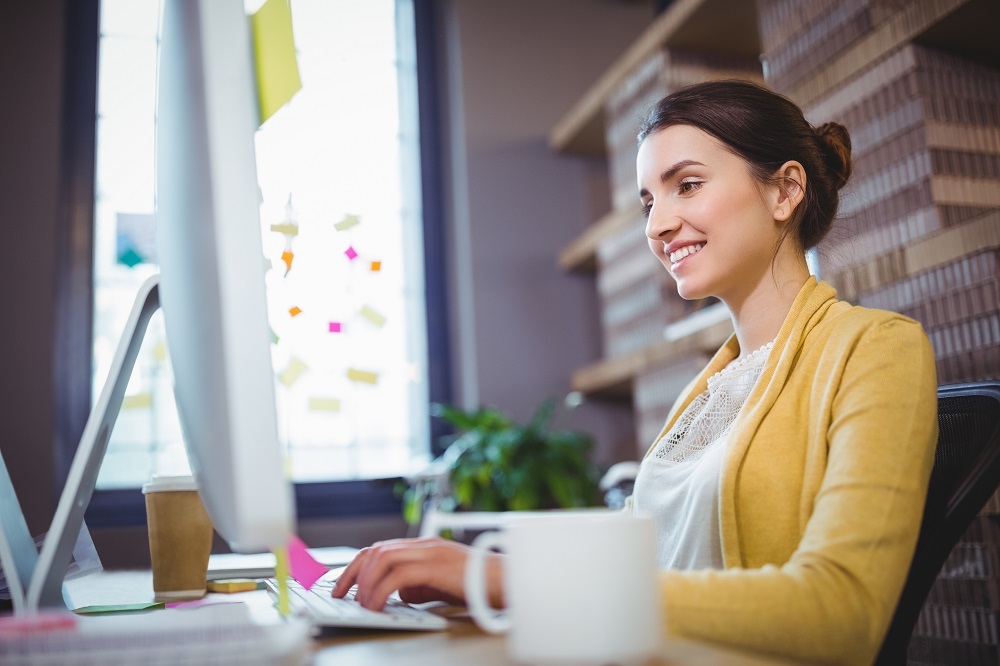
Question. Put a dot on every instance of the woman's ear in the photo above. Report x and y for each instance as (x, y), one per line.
(790, 189)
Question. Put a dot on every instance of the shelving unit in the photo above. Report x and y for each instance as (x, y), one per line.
(719, 26)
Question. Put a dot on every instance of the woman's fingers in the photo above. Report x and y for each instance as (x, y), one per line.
(350, 574)
(434, 564)
(428, 569)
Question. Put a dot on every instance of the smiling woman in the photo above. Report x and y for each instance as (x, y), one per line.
(787, 484)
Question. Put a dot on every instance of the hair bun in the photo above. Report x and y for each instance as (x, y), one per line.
(836, 144)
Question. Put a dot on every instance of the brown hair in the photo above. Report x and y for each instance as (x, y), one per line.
(766, 130)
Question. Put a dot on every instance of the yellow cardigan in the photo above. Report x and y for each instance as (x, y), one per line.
(822, 488)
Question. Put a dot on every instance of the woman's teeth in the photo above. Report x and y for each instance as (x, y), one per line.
(683, 252)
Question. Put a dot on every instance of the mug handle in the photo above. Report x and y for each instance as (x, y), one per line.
(475, 585)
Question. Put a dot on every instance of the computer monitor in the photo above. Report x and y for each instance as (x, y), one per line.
(211, 287)
(212, 270)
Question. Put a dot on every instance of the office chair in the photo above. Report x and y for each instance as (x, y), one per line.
(966, 473)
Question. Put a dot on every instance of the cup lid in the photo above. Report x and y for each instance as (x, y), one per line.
(161, 483)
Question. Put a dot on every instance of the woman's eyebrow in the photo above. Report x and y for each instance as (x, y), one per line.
(672, 171)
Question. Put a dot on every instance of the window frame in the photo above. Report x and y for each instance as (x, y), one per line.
(75, 279)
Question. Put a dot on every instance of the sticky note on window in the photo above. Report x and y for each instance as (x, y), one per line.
(295, 310)
(376, 266)
(335, 327)
(287, 229)
(160, 352)
(351, 253)
(362, 376)
(138, 401)
(348, 222)
(324, 404)
(287, 257)
(292, 372)
(372, 316)
(274, 52)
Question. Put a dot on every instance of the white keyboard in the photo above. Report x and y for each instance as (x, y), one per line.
(324, 610)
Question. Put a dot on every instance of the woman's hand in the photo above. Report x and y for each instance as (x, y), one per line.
(426, 569)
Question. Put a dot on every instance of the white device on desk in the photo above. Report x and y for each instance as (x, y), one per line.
(325, 611)
(211, 287)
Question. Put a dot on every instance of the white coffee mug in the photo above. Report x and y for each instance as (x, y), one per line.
(580, 587)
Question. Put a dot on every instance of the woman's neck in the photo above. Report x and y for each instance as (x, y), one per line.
(758, 315)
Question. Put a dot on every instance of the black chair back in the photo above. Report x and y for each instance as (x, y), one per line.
(966, 473)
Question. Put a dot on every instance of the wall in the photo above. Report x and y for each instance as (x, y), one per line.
(31, 63)
(522, 325)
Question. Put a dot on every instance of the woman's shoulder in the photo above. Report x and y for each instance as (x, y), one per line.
(844, 316)
(853, 328)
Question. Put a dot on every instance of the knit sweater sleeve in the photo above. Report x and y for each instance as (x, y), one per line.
(832, 601)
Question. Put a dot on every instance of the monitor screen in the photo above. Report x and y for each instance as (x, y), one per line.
(212, 271)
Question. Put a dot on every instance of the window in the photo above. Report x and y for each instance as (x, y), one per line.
(338, 169)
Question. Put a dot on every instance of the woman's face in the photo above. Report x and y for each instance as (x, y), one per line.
(708, 220)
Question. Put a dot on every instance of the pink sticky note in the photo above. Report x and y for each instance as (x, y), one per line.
(351, 254)
(304, 568)
(335, 327)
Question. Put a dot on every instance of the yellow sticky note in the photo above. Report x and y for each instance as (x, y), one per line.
(288, 229)
(274, 51)
(231, 585)
(138, 401)
(362, 376)
(287, 256)
(292, 372)
(376, 266)
(348, 222)
(295, 310)
(324, 404)
(372, 316)
(160, 352)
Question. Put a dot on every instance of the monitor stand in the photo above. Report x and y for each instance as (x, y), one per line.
(36, 581)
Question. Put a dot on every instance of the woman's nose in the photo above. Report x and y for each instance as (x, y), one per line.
(661, 224)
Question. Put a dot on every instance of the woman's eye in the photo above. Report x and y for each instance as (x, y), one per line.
(688, 186)
(647, 208)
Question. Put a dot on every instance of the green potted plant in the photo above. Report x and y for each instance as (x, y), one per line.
(495, 464)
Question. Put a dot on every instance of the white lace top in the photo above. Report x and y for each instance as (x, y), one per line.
(678, 482)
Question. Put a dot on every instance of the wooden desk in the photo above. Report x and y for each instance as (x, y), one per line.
(463, 644)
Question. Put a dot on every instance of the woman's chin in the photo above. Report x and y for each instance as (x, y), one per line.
(688, 291)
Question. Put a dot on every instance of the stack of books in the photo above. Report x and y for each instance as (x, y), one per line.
(958, 304)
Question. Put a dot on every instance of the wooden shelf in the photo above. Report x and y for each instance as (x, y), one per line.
(719, 26)
(581, 254)
(612, 378)
(934, 22)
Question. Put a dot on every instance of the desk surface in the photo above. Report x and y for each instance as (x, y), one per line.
(463, 643)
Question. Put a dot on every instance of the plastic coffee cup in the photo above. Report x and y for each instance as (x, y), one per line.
(180, 537)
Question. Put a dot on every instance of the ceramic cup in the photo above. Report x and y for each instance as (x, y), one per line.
(580, 587)
(180, 537)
